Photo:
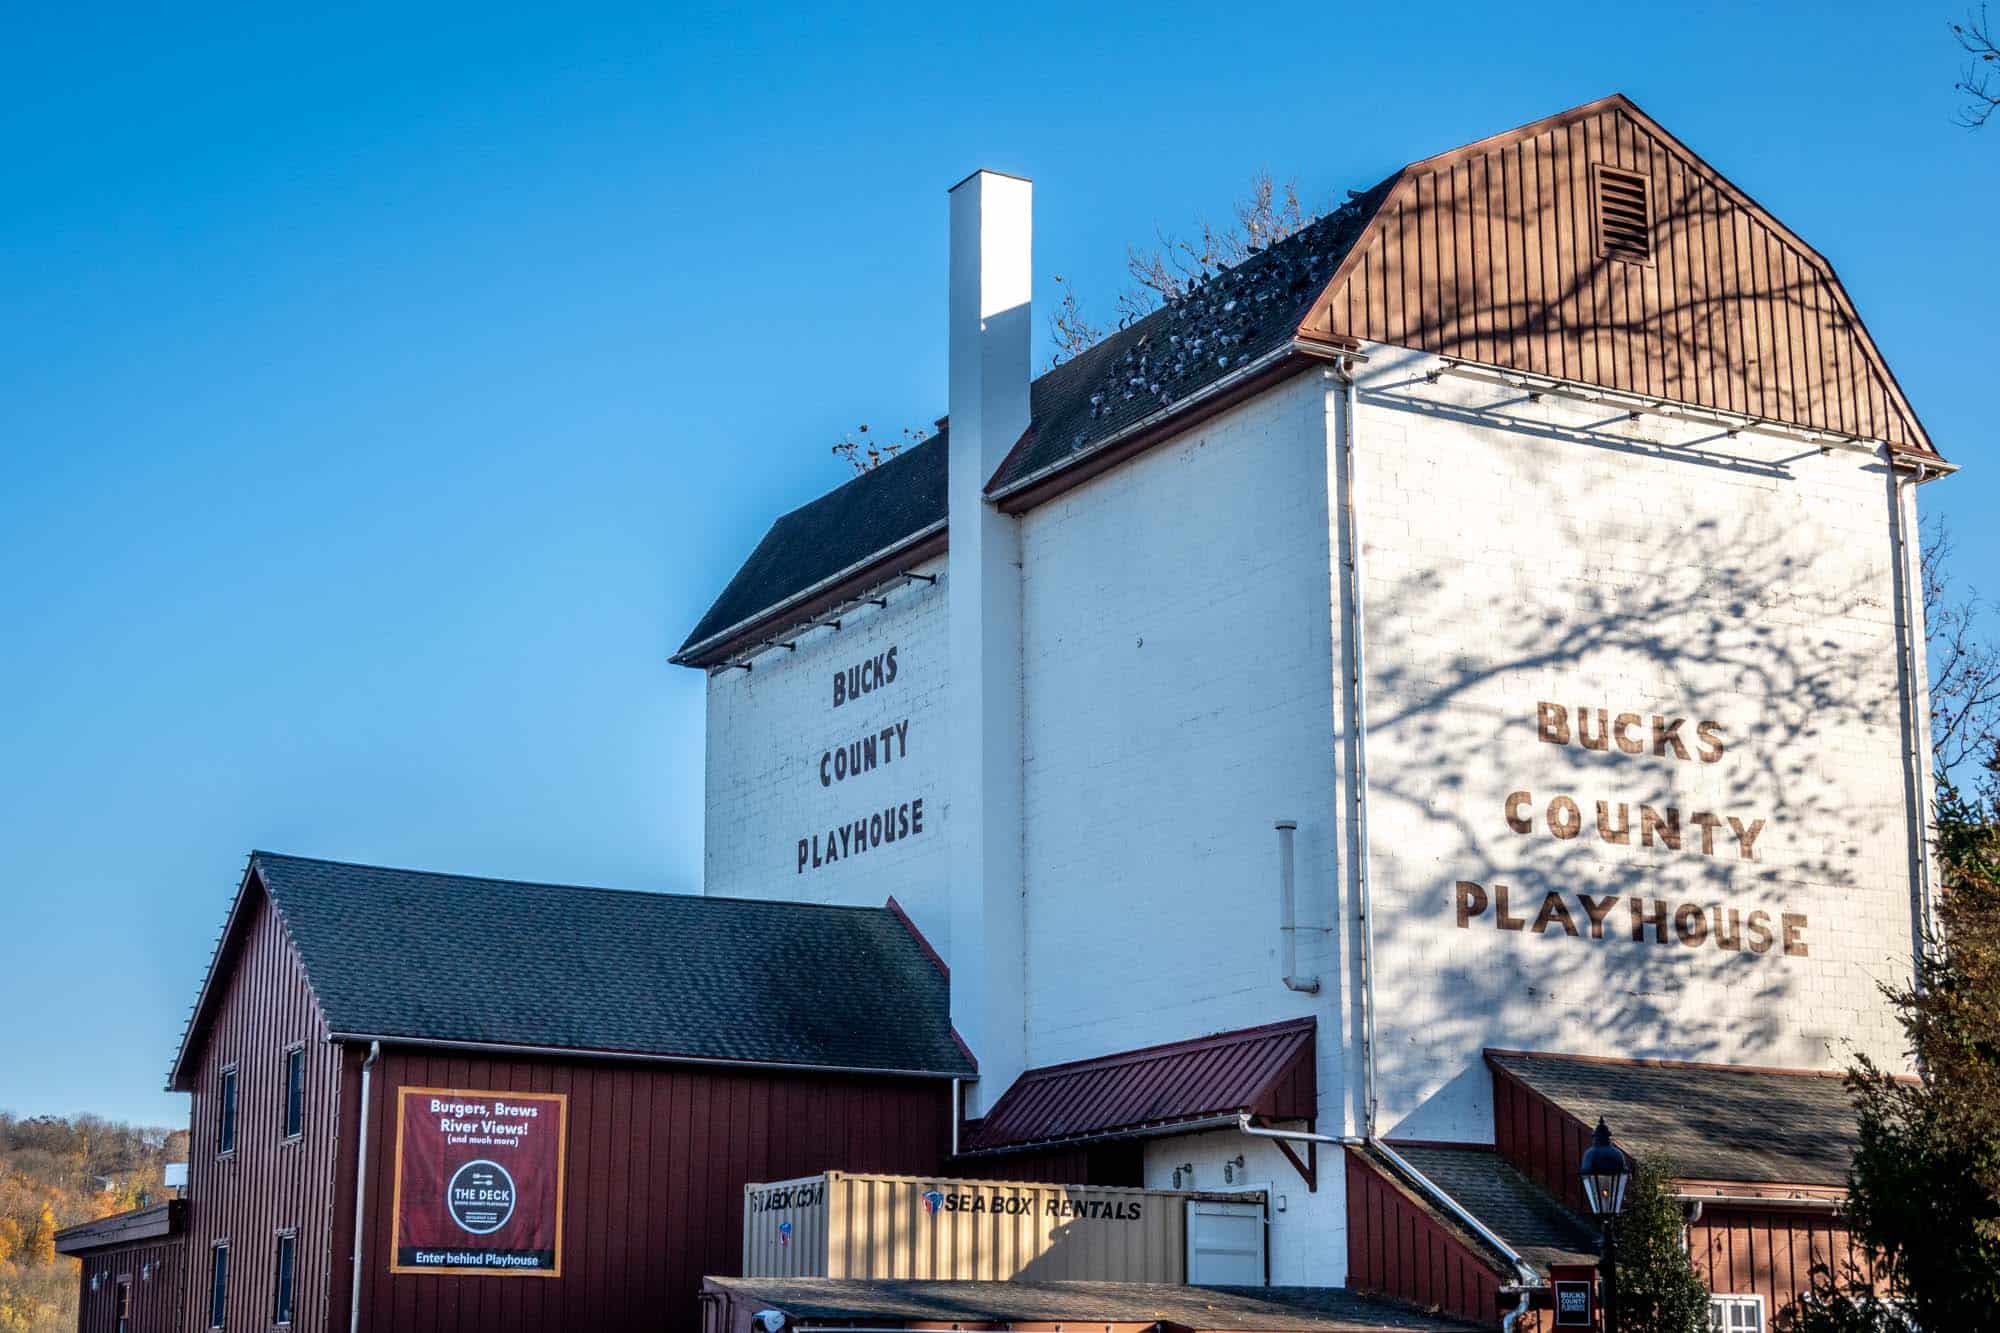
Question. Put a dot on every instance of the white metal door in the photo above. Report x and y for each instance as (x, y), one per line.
(1225, 1244)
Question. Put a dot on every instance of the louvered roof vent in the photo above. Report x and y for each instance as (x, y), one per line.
(1624, 215)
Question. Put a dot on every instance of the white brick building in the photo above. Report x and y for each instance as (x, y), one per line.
(1535, 533)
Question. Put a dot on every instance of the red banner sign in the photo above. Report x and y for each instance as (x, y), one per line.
(479, 1182)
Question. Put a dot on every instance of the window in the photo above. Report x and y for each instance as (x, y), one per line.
(218, 1285)
(1624, 215)
(295, 1091)
(281, 1298)
(225, 1120)
(124, 1305)
(1736, 1314)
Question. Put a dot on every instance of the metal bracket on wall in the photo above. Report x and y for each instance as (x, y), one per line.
(1308, 1169)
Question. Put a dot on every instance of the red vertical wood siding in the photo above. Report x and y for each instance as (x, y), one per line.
(1768, 1252)
(658, 1157)
(268, 1184)
(1396, 1248)
(156, 1299)
(1490, 253)
(1541, 1140)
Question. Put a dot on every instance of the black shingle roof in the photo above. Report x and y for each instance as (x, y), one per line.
(1516, 1209)
(1225, 325)
(875, 511)
(1752, 1125)
(404, 953)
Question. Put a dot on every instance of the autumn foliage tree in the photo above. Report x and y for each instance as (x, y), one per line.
(56, 1172)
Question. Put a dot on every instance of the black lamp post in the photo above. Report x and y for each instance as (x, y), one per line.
(1606, 1171)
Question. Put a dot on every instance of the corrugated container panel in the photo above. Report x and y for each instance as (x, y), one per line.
(867, 1226)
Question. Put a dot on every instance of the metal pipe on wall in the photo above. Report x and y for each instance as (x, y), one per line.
(1288, 919)
(1916, 691)
(1357, 730)
(361, 1187)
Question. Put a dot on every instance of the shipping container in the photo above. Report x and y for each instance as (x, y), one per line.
(847, 1225)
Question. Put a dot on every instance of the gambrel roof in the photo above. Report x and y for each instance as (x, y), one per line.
(1591, 247)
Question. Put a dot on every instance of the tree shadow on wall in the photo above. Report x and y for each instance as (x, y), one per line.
(1599, 590)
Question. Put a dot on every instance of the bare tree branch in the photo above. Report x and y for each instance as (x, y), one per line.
(1964, 666)
(865, 455)
(1069, 326)
(1175, 265)
(1981, 80)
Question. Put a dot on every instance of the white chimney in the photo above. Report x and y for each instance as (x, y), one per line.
(990, 328)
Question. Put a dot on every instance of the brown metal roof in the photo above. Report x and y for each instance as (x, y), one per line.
(881, 1303)
(1265, 1071)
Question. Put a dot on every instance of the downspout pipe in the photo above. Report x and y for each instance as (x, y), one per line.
(1357, 730)
(957, 1111)
(1288, 909)
(1916, 693)
(1530, 1280)
(361, 1188)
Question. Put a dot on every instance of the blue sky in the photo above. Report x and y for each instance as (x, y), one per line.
(383, 392)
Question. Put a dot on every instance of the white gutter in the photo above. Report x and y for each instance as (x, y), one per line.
(1292, 1135)
(1916, 691)
(1151, 419)
(1170, 1130)
(629, 1057)
(1670, 408)
(361, 1188)
(1357, 730)
(687, 655)
(1810, 1204)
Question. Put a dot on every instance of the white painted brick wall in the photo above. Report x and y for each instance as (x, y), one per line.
(767, 730)
(1178, 701)
(1177, 641)
(1307, 1239)
(1514, 556)
(1180, 694)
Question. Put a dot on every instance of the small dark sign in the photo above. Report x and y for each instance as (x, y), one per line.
(1573, 1305)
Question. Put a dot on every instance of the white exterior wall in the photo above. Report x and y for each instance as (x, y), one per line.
(1307, 1237)
(770, 727)
(1178, 700)
(1516, 553)
(1180, 691)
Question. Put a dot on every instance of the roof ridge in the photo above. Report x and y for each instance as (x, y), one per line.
(695, 895)
(1661, 1062)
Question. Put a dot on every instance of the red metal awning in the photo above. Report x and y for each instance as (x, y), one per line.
(1265, 1071)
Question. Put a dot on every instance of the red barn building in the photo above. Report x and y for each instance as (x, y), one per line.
(691, 1045)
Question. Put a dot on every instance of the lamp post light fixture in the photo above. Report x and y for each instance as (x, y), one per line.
(1606, 1172)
